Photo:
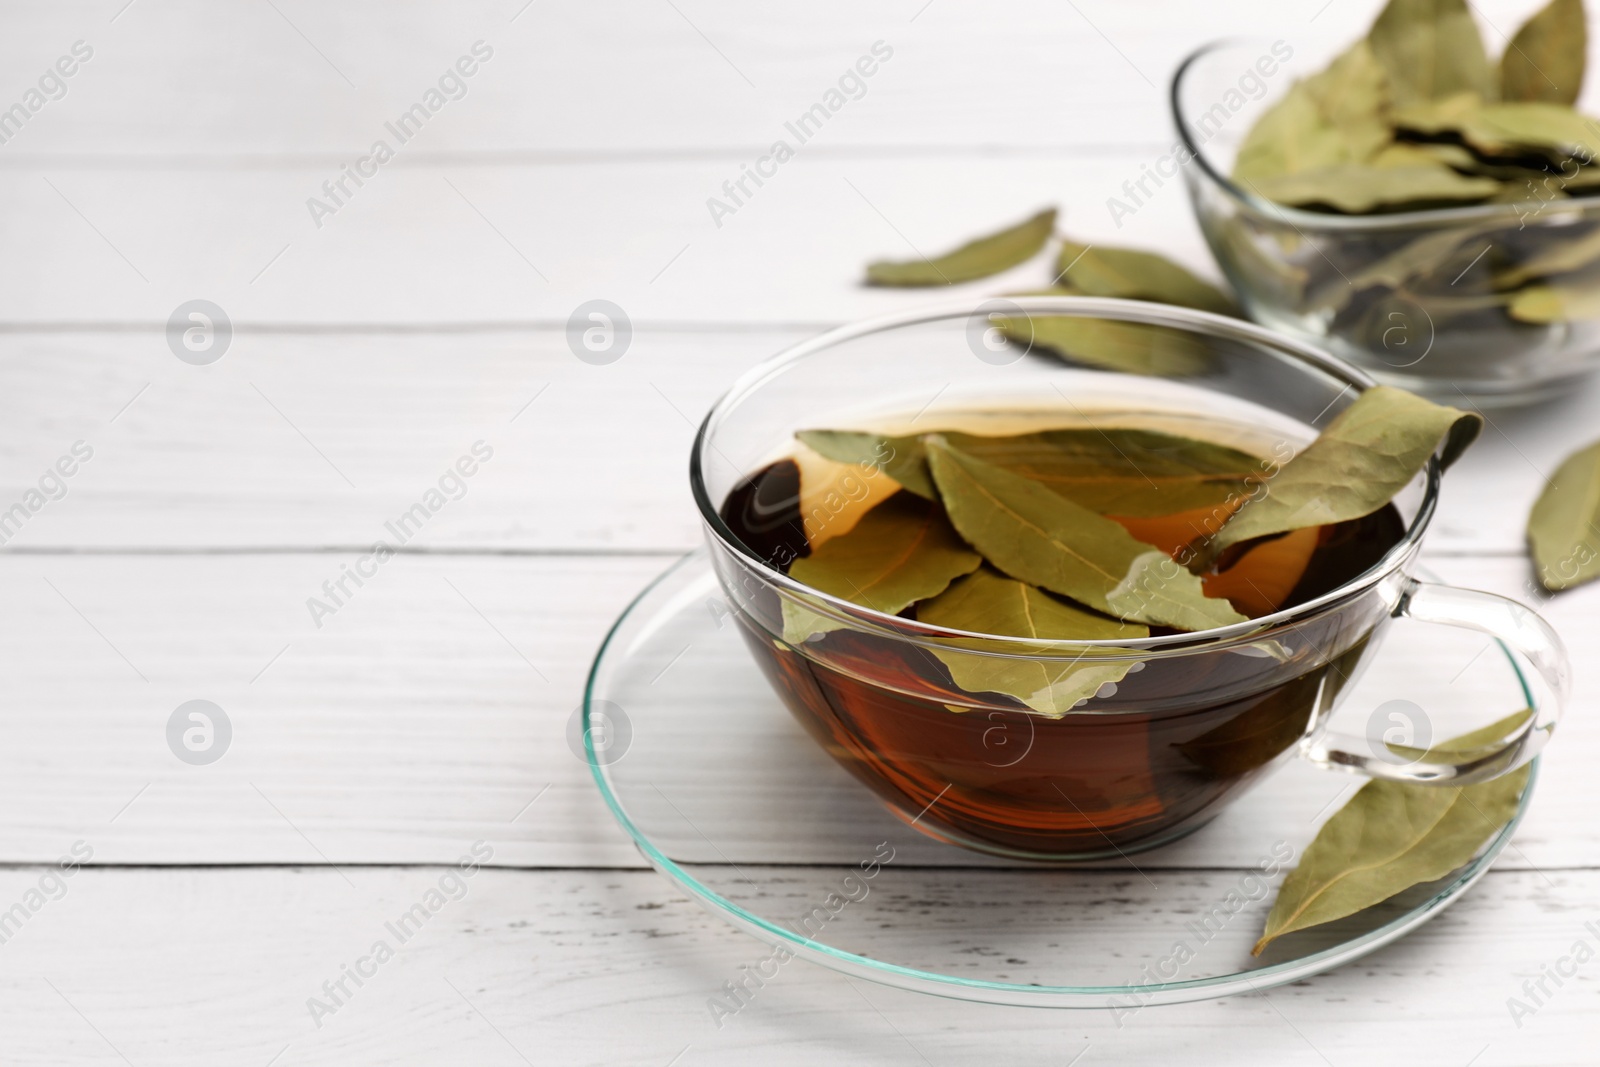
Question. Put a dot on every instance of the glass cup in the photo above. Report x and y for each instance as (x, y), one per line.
(1417, 298)
(1195, 719)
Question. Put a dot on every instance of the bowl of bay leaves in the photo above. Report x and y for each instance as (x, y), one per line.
(1052, 611)
(1414, 206)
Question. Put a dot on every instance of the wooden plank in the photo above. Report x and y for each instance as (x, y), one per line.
(433, 706)
(580, 967)
(309, 441)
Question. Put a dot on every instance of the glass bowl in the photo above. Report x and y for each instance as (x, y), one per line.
(1443, 331)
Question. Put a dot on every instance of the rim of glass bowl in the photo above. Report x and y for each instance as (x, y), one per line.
(987, 990)
(1219, 326)
(1316, 220)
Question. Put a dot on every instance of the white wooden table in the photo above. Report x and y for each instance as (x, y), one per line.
(426, 312)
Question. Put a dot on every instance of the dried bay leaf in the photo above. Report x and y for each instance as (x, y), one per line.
(1545, 59)
(1293, 135)
(902, 551)
(986, 602)
(1559, 302)
(1110, 344)
(1392, 836)
(976, 259)
(1554, 257)
(1430, 49)
(900, 458)
(1359, 189)
(1353, 90)
(1368, 453)
(1135, 275)
(1564, 526)
(1039, 537)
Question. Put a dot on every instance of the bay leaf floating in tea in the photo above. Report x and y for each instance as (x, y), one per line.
(900, 552)
(988, 603)
(1545, 59)
(976, 259)
(1368, 453)
(1429, 49)
(901, 458)
(1095, 270)
(1392, 836)
(1039, 537)
(1564, 526)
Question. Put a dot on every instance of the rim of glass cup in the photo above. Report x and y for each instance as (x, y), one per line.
(1316, 220)
(1219, 326)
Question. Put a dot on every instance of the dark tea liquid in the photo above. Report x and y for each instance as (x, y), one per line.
(1138, 766)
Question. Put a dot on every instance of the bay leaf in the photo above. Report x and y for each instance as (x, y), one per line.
(1352, 91)
(1545, 59)
(1097, 270)
(1392, 836)
(1360, 189)
(900, 458)
(1111, 344)
(1558, 132)
(902, 551)
(1429, 49)
(1291, 136)
(1368, 453)
(1111, 470)
(1557, 302)
(989, 603)
(1555, 256)
(1564, 526)
(1039, 537)
(1422, 256)
(975, 259)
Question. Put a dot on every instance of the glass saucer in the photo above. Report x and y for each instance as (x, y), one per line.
(724, 793)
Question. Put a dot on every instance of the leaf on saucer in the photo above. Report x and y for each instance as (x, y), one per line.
(976, 259)
(1111, 344)
(1368, 453)
(1039, 537)
(1545, 59)
(1361, 189)
(1564, 526)
(1392, 836)
(1429, 49)
(1134, 275)
(900, 552)
(985, 602)
(898, 457)
(1559, 302)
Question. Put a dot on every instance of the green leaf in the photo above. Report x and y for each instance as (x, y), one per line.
(1562, 528)
(1135, 275)
(1360, 189)
(1392, 836)
(900, 552)
(1110, 344)
(984, 602)
(1331, 118)
(1353, 91)
(900, 458)
(1563, 302)
(1114, 471)
(1041, 538)
(1430, 49)
(1545, 60)
(1368, 453)
(1516, 129)
(976, 259)
(1555, 257)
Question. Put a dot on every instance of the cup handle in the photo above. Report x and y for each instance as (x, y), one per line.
(1519, 629)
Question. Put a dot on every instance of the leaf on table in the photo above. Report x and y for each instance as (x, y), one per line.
(976, 259)
(1564, 526)
(898, 457)
(1135, 275)
(1361, 189)
(901, 551)
(1430, 49)
(1111, 344)
(1545, 59)
(1368, 453)
(1557, 302)
(1392, 836)
(986, 602)
(1039, 537)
